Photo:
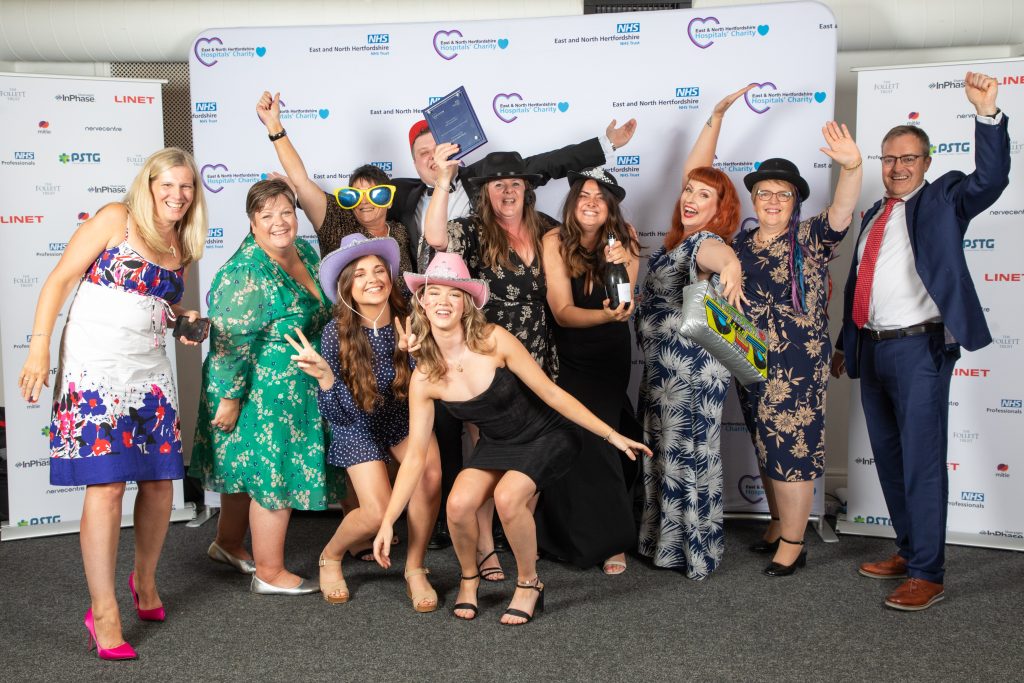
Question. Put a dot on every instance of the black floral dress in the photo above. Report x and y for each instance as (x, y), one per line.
(518, 300)
(786, 414)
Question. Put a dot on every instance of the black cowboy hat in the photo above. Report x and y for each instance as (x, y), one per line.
(778, 169)
(601, 177)
(498, 165)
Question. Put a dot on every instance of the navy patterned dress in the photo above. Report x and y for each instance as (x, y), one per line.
(786, 415)
(682, 393)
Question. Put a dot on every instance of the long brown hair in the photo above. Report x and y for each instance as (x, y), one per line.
(354, 350)
(578, 260)
(494, 241)
(725, 220)
(475, 328)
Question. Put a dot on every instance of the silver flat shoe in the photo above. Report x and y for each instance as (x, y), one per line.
(260, 587)
(218, 554)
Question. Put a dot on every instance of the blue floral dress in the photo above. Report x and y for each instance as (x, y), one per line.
(682, 392)
(115, 409)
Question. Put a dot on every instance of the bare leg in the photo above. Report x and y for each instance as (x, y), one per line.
(269, 528)
(471, 488)
(771, 533)
(233, 524)
(358, 527)
(100, 532)
(423, 508)
(152, 516)
(511, 499)
(794, 499)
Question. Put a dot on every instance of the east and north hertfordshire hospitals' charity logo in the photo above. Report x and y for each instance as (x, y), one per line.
(450, 44)
(765, 95)
(704, 31)
(510, 106)
(209, 51)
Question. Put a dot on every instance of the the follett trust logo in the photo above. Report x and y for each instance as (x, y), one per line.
(209, 51)
(25, 281)
(12, 94)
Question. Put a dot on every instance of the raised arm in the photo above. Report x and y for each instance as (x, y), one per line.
(88, 242)
(311, 196)
(519, 361)
(843, 151)
(435, 224)
(703, 151)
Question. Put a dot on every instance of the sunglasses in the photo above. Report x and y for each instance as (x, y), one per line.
(380, 196)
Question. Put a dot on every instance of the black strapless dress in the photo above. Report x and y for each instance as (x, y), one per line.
(518, 431)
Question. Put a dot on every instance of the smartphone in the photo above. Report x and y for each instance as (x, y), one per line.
(192, 331)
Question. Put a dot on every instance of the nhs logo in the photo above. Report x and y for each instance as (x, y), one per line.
(633, 27)
(691, 91)
(382, 165)
(206, 106)
(431, 100)
(378, 38)
(627, 160)
(25, 155)
(972, 496)
(1011, 403)
(216, 232)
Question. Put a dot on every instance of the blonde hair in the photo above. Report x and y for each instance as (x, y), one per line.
(193, 226)
(476, 331)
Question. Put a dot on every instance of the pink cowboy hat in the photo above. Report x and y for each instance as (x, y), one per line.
(449, 269)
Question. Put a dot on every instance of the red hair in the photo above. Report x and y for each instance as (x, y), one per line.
(725, 221)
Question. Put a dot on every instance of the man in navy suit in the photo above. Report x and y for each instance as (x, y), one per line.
(910, 305)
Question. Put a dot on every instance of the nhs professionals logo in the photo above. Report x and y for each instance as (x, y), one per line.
(1007, 406)
(209, 51)
(764, 96)
(451, 43)
(20, 159)
(706, 31)
(51, 249)
(510, 106)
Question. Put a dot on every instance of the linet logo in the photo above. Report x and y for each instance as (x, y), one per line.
(14, 219)
(1012, 80)
(1004, 277)
(134, 99)
(971, 372)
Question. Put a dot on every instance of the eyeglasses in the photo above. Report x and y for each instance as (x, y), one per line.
(906, 159)
(765, 196)
(380, 196)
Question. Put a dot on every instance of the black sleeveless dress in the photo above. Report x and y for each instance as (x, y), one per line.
(587, 516)
(518, 431)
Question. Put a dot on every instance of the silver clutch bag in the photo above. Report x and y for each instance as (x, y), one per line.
(725, 333)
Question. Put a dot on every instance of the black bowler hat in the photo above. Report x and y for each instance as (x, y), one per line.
(601, 177)
(778, 169)
(498, 165)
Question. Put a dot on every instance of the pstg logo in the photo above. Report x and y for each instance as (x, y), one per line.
(972, 496)
(34, 521)
(202, 107)
(629, 27)
(79, 158)
(870, 519)
(628, 160)
(980, 244)
(962, 147)
(378, 38)
(689, 91)
(382, 165)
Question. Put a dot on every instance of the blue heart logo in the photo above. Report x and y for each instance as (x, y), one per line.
(260, 51)
(324, 113)
(757, 165)
(563, 106)
(763, 29)
(502, 43)
(263, 176)
(819, 97)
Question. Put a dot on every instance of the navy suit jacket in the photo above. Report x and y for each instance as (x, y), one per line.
(554, 164)
(937, 219)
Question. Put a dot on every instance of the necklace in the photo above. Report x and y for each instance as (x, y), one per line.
(174, 252)
(458, 363)
(370, 320)
(765, 241)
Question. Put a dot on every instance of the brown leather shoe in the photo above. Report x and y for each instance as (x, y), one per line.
(893, 568)
(915, 594)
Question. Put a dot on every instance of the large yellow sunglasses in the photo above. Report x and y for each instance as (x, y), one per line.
(379, 195)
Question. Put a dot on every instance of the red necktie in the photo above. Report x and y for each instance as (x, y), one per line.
(866, 273)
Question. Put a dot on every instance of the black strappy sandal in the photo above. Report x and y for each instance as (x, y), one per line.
(468, 605)
(486, 574)
(538, 606)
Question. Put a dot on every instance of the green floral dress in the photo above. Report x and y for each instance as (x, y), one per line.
(276, 451)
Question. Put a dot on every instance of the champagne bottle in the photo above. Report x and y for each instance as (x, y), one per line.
(616, 281)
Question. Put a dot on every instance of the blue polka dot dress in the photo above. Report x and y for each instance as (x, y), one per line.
(358, 436)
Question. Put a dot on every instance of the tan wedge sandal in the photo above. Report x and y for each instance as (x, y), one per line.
(425, 601)
(334, 592)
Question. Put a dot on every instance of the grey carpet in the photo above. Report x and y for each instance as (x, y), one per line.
(825, 623)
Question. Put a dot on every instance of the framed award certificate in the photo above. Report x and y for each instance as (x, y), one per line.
(452, 119)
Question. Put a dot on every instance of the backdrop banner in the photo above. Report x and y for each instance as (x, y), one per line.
(350, 93)
(986, 400)
(70, 146)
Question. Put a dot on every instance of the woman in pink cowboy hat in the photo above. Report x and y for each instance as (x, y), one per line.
(484, 375)
(364, 383)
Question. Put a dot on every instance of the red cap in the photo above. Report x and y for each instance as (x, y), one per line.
(418, 129)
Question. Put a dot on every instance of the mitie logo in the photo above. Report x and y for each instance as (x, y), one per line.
(15, 219)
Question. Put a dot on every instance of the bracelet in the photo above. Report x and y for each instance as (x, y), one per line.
(609, 435)
(39, 334)
(278, 136)
(855, 166)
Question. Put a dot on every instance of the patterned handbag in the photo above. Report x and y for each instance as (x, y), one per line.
(724, 332)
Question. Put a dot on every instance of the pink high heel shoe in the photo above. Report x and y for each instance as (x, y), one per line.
(155, 614)
(122, 651)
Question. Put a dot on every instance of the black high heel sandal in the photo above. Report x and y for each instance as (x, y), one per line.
(468, 605)
(764, 547)
(776, 569)
(488, 573)
(537, 607)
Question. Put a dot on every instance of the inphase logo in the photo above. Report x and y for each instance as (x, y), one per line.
(79, 158)
(943, 85)
(865, 461)
(14, 219)
(872, 519)
(134, 99)
(1002, 534)
(108, 189)
(623, 160)
(385, 166)
(75, 97)
(960, 147)
(628, 27)
(972, 496)
(688, 91)
(378, 38)
(203, 107)
(980, 244)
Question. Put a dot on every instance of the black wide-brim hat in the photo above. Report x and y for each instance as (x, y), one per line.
(778, 169)
(601, 177)
(498, 165)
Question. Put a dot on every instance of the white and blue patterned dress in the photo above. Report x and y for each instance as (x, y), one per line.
(682, 393)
